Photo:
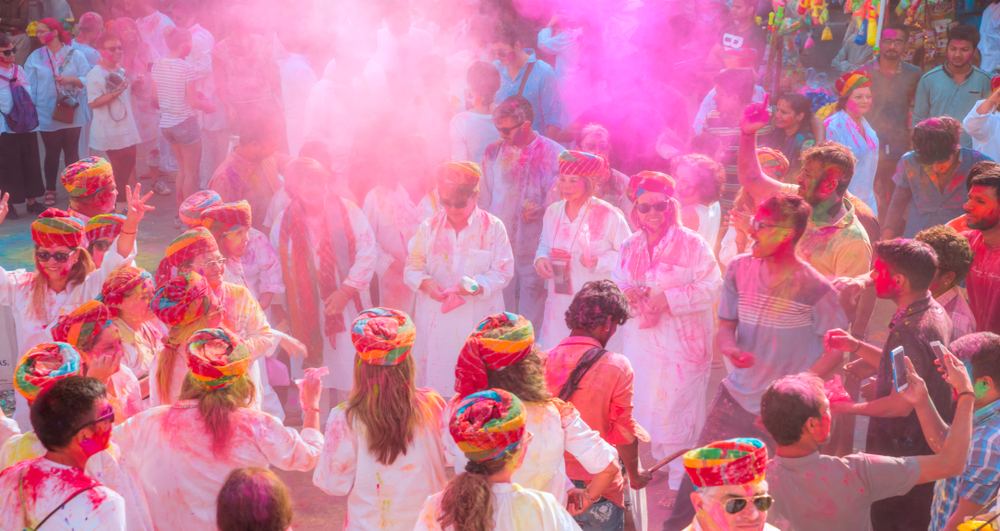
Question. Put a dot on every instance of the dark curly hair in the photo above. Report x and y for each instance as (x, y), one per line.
(953, 251)
(595, 303)
(913, 259)
(936, 139)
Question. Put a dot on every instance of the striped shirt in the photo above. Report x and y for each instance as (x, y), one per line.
(171, 77)
(727, 131)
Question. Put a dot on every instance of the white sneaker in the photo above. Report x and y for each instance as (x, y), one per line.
(161, 189)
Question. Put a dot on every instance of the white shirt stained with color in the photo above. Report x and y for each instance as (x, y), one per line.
(394, 220)
(515, 508)
(97, 509)
(984, 128)
(863, 143)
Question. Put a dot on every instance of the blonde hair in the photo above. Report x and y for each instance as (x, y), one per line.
(172, 347)
(217, 406)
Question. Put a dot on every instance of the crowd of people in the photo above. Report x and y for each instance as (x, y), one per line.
(542, 269)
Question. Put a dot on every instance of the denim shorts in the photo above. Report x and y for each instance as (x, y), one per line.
(185, 133)
(601, 516)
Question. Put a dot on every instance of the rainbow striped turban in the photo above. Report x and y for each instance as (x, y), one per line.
(226, 217)
(83, 325)
(104, 226)
(772, 162)
(852, 80)
(217, 357)
(119, 283)
(582, 164)
(188, 245)
(481, 353)
(192, 207)
(488, 424)
(56, 228)
(383, 336)
(43, 366)
(87, 177)
(462, 172)
(732, 462)
(183, 300)
(649, 181)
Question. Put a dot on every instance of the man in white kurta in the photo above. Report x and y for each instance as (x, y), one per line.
(394, 220)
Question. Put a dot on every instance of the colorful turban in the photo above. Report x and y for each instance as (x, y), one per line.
(852, 80)
(83, 325)
(119, 283)
(772, 162)
(488, 424)
(87, 177)
(383, 336)
(183, 300)
(43, 366)
(185, 247)
(649, 181)
(481, 353)
(225, 217)
(217, 357)
(55, 228)
(732, 462)
(582, 164)
(459, 172)
(104, 226)
(192, 207)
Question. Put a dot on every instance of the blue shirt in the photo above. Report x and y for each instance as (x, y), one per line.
(938, 95)
(929, 206)
(541, 91)
(981, 476)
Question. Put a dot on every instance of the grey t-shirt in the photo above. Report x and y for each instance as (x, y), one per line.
(827, 493)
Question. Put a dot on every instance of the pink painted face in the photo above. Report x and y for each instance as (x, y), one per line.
(892, 44)
(655, 218)
(982, 211)
(596, 144)
(885, 284)
(44, 33)
(111, 50)
(211, 265)
(135, 305)
(457, 209)
(785, 117)
(769, 234)
(713, 516)
(109, 343)
(511, 131)
(960, 53)
(7, 56)
(56, 262)
(811, 182)
(503, 52)
(860, 100)
(572, 187)
(97, 435)
(99, 248)
(234, 243)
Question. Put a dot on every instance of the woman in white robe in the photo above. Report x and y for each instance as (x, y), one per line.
(394, 219)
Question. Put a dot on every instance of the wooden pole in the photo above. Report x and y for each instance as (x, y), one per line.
(667, 461)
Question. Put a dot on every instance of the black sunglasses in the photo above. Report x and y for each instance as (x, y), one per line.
(110, 415)
(44, 256)
(762, 503)
(10, 52)
(504, 131)
(646, 207)
(454, 204)
(114, 48)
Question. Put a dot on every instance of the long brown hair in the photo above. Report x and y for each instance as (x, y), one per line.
(385, 402)
(40, 284)
(173, 345)
(217, 406)
(524, 379)
(466, 502)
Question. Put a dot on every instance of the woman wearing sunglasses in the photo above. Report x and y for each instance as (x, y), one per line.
(459, 242)
(65, 275)
(21, 171)
(671, 279)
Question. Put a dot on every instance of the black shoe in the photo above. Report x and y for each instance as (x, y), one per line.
(37, 208)
(12, 212)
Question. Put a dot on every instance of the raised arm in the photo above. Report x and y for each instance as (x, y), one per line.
(137, 208)
(753, 180)
(950, 460)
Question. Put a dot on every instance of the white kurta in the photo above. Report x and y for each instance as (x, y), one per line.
(140, 346)
(482, 251)
(170, 449)
(8, 429)
(128, 397)
(674, 357)
(340, 360)
(598, 231)
(514, 509)
(863, 143)
(106, 466)
(394, 220)
(383, 497)
(557, 429)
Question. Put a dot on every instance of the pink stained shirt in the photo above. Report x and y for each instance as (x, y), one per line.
(604, 400)
(983, 283)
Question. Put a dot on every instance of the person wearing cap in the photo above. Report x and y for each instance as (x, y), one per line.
(128, 292)
(38, 370)
(795, 410)
(100, 232)
(384, 444)
(671, 279)
(490, 429)
(460, 241)
(184, 452)
(581, 236)
(64, 276)
(732, 494)
(92, 189)
(849, 127)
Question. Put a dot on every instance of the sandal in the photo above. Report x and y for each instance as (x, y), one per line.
(50, 199)
(668, 500)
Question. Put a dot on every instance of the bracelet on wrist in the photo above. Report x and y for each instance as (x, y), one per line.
(963, 393)
(308, 409)
(586, 493)
(857, 348)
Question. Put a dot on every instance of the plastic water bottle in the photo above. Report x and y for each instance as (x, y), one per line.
(469, 284)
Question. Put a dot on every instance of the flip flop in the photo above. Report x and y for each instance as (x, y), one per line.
(668, 500)
(50, 199)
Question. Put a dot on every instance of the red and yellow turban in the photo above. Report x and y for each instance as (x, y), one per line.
(732, 462)
(119, 283)
(772, 162)
(225, 217)
(463, 173)
(185, 247)
(192, 207)
(43, 366)
(217, 357)
(56, 228)
(852, 80)
(481, 353)
(488, 424)
(183, 300)
(582, 164)
(87, 177)
(383, 336)
(104, 226)
(649, 181)
(83, 325)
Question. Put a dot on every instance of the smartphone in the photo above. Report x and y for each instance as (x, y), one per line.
(939, 351)
(899, 369)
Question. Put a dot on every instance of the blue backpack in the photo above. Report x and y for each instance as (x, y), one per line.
(22, 117)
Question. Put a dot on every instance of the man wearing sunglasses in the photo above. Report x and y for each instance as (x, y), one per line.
(732, 494)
